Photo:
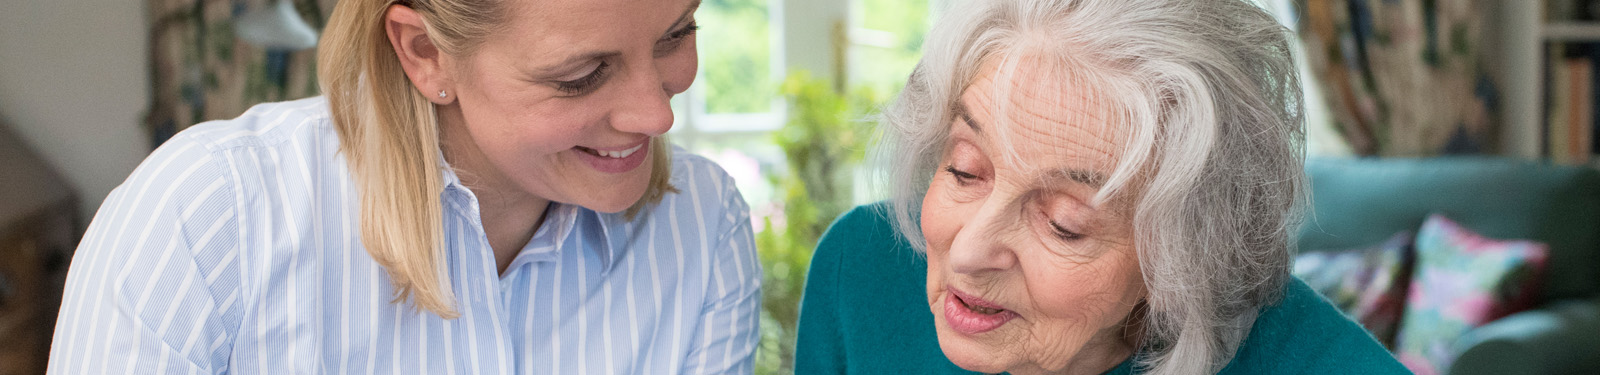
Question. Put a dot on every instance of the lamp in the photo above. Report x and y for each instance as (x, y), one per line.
(277, 26)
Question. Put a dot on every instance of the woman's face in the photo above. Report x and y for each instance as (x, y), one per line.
(1024, 273)
(563, 102)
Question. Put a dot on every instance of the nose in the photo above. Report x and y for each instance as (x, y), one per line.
(645, 108)
(979, 247)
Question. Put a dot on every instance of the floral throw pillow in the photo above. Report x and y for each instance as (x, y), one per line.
(1462, 280)
(1367, 284)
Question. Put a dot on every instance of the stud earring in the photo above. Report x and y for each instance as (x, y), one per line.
(442, 94)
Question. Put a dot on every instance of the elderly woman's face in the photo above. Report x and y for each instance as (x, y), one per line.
(564, 101)
(1024, 273)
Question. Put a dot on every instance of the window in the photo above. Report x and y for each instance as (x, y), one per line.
(740, 55)
(886, 42)
(733, 112)
(733, 106)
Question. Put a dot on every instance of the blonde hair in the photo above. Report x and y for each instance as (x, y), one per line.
(389, 135)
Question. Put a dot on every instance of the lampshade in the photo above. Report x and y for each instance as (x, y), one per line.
(277, 26)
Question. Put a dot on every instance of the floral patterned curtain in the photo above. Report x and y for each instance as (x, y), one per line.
(199, 69)
(1401, 77)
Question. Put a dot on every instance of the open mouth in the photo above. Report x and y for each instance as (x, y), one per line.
(970, 315)
(978, 308)
(610, 154)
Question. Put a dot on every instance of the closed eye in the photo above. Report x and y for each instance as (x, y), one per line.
(962, 177)
(1062, 232)
(587, 84)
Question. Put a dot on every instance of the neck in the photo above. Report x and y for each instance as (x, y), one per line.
(510, 216)
(1100, 357)
(1095, 358)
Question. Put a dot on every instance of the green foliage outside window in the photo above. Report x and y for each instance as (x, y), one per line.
(884, 68)
(735, 46)
(823, 141)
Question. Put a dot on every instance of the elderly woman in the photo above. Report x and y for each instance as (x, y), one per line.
(483, 190)
(1098, 186)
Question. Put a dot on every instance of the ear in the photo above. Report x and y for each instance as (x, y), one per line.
(421, 59)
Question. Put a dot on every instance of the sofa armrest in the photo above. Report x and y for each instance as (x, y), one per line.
(1559, 338)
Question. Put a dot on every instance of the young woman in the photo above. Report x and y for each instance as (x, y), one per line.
(483, 190)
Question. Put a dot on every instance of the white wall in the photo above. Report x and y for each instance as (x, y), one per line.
(73, 86)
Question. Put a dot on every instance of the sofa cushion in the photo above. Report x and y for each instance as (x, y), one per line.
(1462, 280)
(1356, 202)
(1367, 284)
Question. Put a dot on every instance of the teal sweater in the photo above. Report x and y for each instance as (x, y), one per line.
(865, 312)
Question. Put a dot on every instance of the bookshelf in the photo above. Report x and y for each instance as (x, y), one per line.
(1520, 38)
(1571, 31)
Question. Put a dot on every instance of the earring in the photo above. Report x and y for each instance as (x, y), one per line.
(442, 94)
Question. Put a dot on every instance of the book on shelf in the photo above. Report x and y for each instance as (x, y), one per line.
(1571, 121)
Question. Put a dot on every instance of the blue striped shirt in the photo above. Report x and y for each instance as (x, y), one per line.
(235, 248)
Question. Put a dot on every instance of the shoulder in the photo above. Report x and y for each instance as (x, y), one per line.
(203, 160)
(265, 124)
(861, 259)
(1304, 334)
(232, 155)
(257, 144)
(704, 190)
(199, 185)
(185, 210)
(865, 308)
(863, 226)
(205, 157)
(692, 172)
(863, 245)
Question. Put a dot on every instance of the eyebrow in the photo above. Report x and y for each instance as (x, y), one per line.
(1087, 178)
(962, 112)
(556, 67)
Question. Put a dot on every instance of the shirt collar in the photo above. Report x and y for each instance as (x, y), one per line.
(614, 228)
(560, 223)
(602, 232)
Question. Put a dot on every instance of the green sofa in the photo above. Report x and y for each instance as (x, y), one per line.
(1361, 202)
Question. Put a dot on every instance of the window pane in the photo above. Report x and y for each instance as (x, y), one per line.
(886, 41)
(735, 54)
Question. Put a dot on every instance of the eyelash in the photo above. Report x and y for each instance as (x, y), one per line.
(1063, 233)
(685, 32)
(965, 179)
(587, 83)
(672, 41)
(962, 177)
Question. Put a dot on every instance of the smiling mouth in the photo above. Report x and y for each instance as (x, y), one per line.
(610, 154)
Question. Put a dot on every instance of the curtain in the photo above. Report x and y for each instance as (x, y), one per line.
(1400, 77)
(200, 70)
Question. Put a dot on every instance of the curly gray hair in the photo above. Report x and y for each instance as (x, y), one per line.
(1213, 164)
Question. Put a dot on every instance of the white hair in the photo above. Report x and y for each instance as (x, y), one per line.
(1206, 97)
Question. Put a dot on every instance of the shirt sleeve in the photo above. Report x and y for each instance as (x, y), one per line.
(151, 289)
(730, 324)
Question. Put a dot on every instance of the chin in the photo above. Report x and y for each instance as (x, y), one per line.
(620, 196)
(966, 353)
(611, 206)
